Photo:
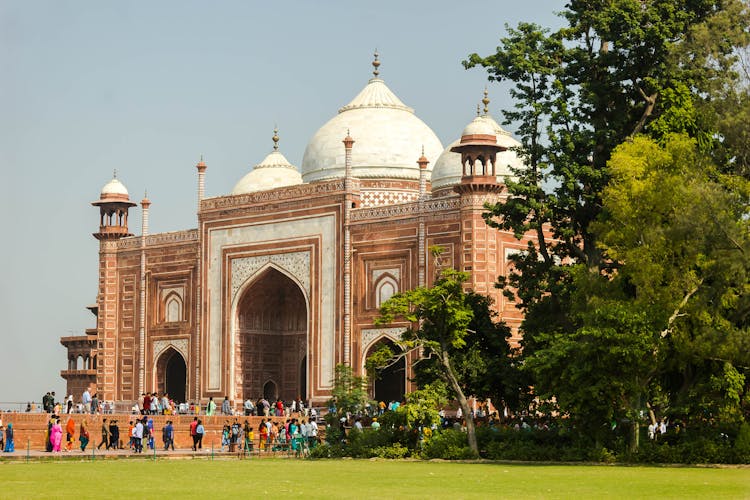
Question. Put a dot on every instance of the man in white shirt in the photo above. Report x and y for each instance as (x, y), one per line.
(86, 400)
(312, 434)
(138, 436)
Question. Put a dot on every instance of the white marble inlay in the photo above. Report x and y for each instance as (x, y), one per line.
(295, 263)
(370, 335)
(284, 233)
(180, 345)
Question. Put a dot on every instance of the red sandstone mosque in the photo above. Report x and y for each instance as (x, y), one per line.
(282, 279)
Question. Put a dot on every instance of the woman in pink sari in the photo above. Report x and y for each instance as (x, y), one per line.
(56, 435)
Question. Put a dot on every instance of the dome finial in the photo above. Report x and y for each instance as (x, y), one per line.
(486, 101)
(275, 138)
(478, 110)
(376, 64)
(114, 174)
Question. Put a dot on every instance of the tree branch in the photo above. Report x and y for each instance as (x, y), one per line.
(650, 104)
(677, 312)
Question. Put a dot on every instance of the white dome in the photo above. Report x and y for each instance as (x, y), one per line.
(388, 139)
(480, 126)
(273, 172)
(447, 170)
(114, 187)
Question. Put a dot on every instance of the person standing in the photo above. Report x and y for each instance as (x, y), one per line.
(225, 406)
(114, 435)
(9, 444)
(138, 436)
(211, 407)
(83, 434)
(145, 403)
(56, 435)
(105, 435)
(167, 435)
(95, 403)
(194, 433)
(199, 431)
(70, 431)
(86, 400)
(249, 408)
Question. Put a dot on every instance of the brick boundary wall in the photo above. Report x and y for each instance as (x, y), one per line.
(33, 426)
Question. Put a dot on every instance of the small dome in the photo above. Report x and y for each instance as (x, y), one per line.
(114, 187)
(273, 172)
(480, 126)
(113, 192)
(447, 170)
(387, 134)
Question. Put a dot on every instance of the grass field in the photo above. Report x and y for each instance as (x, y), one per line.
(283, 478)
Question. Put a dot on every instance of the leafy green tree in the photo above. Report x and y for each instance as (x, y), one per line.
(620, 69)
(485, 365)
(349, 394)
(679, 227)
(440, 316)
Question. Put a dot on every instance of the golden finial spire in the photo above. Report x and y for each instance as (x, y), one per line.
(486, 101)
(114, 174)
(478, 110)
(275, 138)
(376, 64)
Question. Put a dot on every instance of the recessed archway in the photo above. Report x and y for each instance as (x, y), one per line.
(272, 337)
(390, 383)
(270, 391)
(172, 375)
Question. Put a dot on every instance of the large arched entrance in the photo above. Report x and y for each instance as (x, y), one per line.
(390, 383)
(172, 375)
(272, 337)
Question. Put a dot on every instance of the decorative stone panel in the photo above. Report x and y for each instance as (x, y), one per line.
(180, 345)
(370, 335)
(297, 264)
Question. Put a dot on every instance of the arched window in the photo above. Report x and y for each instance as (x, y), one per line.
(79, 363)
(385, 288)
(173, 308)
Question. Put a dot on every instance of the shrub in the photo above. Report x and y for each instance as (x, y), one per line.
(448, 445)
(396, 450)
(742, 444)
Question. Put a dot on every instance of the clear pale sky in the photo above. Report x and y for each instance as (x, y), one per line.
(146, 87)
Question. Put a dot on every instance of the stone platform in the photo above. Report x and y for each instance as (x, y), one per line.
(30, 428)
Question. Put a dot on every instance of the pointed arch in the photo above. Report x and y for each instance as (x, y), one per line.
(385, 287)
(171, 374)
(270, 334)
(390, 383)
(173, 308)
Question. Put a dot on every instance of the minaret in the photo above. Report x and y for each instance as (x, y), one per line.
(145, 203)
(114, 203)
(422, 162)
(348, 143)
(478, 148)
(201, 181)
(201, 167)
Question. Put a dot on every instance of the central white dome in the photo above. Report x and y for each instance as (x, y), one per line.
(388, 139)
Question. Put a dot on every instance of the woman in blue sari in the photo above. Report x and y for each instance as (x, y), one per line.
(9, 446)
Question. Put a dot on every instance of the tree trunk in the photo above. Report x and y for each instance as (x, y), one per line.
(471, 432)
(635, 435)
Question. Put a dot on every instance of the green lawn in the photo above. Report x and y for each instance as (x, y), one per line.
(280, 478)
